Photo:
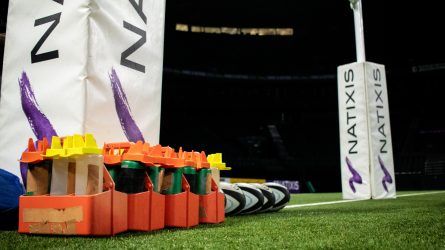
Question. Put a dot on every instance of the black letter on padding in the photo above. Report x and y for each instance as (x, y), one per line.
(349, 75)
(138, 8)
(47, 55)
(133, 48)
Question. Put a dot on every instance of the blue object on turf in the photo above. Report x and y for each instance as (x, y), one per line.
(10, 190)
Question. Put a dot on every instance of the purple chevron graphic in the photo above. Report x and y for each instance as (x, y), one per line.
(38, 121)
(387, 178)
(129, 126)
(355, 175)
(42, 127)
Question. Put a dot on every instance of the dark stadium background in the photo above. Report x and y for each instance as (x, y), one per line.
(269, 103)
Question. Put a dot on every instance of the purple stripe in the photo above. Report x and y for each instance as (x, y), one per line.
(129, 126)
(38, 122)
(387, 178)
(40, 125)
(356, 178)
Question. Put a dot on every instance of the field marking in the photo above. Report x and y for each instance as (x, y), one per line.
(344, 201)
(322, 203)
(415, 194)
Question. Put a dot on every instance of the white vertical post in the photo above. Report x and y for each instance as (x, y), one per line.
(354, 137)
(356, 6)
(380, 143)
(367, 164)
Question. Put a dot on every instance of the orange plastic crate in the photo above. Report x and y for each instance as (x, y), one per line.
(211, 206)
(146, 210)
(182, 210)
(100, 214)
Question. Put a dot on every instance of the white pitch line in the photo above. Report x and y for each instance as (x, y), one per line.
(415, 194)
(322, 203)
(344, 201)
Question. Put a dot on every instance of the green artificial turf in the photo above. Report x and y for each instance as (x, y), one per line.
(414, 222)
(313, 198)
(306, 198)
